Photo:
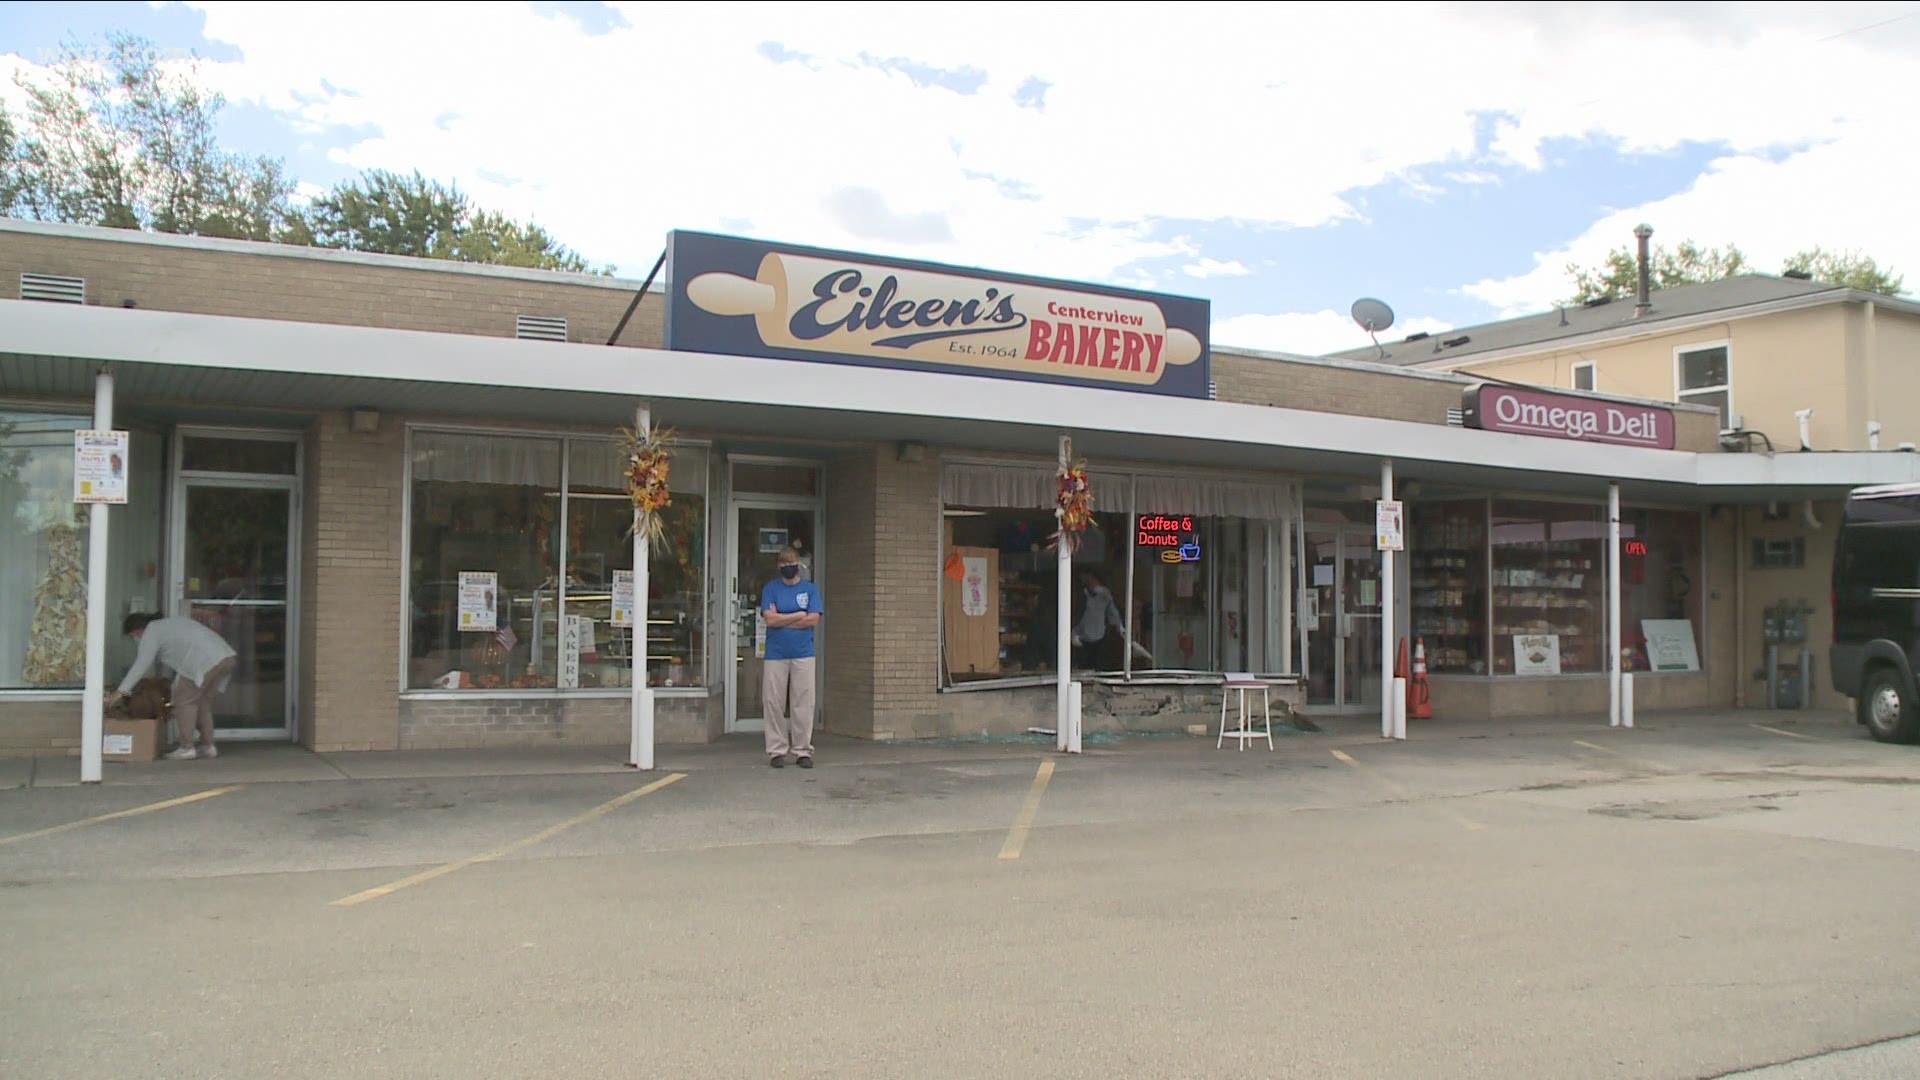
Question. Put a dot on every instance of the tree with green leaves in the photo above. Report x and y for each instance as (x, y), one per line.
(1618, 276)
(412, 215)
(117, 138)
(1849, 268)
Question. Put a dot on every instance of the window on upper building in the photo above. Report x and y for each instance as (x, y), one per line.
(1583, 375)
(1703, 375)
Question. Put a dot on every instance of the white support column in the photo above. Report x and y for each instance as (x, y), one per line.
(1386, 616)
(1611, 644)
(1063, 640)
(93, 699)
(640, 753)
(1287, 617)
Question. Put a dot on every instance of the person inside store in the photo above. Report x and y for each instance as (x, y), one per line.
(791, 606)
(1093, 646)
(202, 665)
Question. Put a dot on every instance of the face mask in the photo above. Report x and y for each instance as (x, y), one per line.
(791, 573)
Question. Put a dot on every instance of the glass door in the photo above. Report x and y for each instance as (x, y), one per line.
(234, 573)
(1340, 618)
(1361, 598)
(760, 530)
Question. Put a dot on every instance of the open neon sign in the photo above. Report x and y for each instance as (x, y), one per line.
(1175, 536)
(1636, 548)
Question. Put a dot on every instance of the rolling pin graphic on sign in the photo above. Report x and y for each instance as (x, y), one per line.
(836, 306)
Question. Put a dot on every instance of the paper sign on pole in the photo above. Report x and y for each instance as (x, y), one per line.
(623, 599)
(100, 467)
(477, 591)
(1388, 519)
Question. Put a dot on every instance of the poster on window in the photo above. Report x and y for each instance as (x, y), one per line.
(100, 467)
(1536, 654)
(571, 635)
(973, 586)
(623, 599)
(478, 588)
(1670, 645)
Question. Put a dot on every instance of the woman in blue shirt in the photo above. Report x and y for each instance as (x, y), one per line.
(791, 608)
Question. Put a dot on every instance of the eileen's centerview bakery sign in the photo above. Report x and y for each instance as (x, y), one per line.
(1562, 416)
(750, 298)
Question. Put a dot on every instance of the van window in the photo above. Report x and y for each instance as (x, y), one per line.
(1885, 509)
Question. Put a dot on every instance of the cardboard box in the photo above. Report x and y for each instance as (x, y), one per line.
(130, 740)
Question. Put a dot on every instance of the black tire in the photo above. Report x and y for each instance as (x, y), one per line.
(1887, 707)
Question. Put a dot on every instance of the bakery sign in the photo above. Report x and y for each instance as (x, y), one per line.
(750, 298)
(1522, 411)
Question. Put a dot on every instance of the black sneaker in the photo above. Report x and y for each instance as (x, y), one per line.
(805, 763)
(777, 761)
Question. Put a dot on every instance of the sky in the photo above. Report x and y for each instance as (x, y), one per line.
(1278, 160)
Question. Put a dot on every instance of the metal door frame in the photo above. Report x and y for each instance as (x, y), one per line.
(182, 480)
(817, 505)
(1343, 538)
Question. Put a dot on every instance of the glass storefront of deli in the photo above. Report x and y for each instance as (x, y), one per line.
(544, 521)
(1518, 587)
(43, 551)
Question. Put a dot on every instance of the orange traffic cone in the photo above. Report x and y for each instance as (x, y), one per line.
(1419, 699)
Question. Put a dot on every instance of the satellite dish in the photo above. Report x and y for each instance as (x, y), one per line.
(1373, 317)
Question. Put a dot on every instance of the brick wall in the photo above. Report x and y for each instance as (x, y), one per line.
(906, 577)
(352, 586)
(275, 282)
(847, 634)
(1351, 391)
(448, 724)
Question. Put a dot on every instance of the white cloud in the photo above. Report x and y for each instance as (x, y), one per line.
(1234, 114)
(1840, 194)
(1312, 333)
(1208, 267)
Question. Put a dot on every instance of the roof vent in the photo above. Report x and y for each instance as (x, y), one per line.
(540, 327)
(1421, 336)
(1456, 342)
(1797, 275)
(1597, 301)
(1456, 418)
(53, 288)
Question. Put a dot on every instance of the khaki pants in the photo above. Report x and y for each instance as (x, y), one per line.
(193, 702)
(786, 706)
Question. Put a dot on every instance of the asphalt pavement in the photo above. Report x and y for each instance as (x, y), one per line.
(1699, 896)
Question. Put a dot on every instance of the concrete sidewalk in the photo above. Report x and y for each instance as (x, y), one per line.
(261, 762)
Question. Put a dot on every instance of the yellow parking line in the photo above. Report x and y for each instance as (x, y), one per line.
(500, 853)
(1017, 836)
(1788, 734)
(1597, 746)
(1464, 822)
(147, 809)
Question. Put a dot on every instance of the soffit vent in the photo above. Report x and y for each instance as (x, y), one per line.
(53, 288)
(540, 327)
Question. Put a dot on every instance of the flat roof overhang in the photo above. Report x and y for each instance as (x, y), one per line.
(180, 363)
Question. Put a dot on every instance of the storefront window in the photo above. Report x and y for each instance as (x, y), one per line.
(1447, 584)
(1660, 590)
(486, 504)
(1549, 598)
(1000, 580)
(599, 515)
(493, 504)
(43, 552)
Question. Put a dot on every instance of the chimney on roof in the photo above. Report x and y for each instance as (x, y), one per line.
(1644, 304)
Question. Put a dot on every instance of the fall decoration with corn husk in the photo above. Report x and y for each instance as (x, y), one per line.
(1073, 501)
(649, 460)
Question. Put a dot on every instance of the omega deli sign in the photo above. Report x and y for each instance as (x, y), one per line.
(748, 298)
(1520, 411)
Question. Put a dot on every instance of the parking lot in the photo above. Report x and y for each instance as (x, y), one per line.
(1701, 895)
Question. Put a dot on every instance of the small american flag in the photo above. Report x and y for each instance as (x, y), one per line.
(503, 633)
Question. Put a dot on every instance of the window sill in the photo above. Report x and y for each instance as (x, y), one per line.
(550, 693)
